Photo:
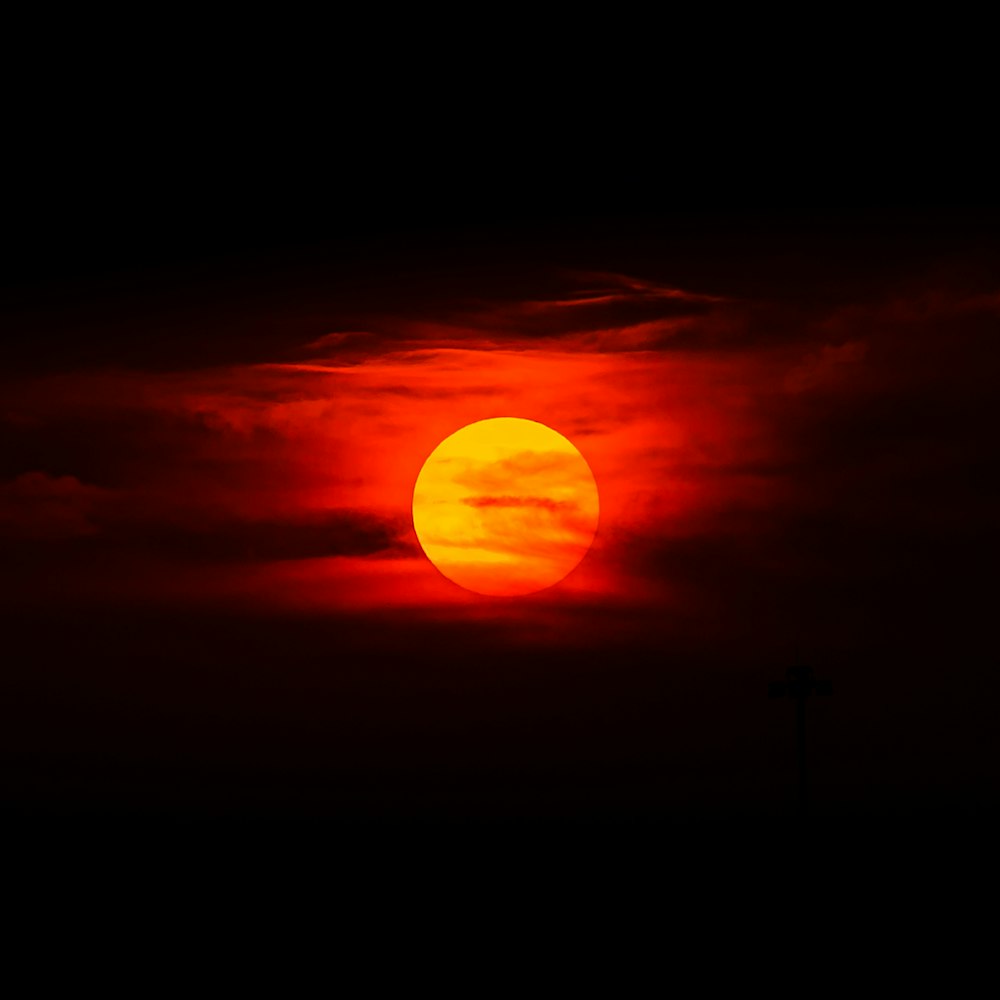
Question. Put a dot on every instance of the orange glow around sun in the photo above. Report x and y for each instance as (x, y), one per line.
(505, 506)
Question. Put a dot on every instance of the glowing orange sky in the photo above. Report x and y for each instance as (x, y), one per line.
(292, 480)
(293, 442)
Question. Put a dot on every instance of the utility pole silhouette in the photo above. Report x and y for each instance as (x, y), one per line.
(799, 684)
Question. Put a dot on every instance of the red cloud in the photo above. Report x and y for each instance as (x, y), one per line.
(37, 505)
(509, 501)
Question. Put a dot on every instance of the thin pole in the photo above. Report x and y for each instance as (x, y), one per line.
(799, 683)
(800, 739)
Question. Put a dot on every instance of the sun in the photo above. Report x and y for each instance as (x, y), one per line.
(505, 506)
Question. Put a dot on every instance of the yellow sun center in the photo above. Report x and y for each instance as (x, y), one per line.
(505, 506)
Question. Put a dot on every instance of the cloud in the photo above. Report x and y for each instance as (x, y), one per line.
(553, 469)
(40, 507)
(545, 503)
(343, 532)
(826, 367)
(587, 311)
(705, 419)
(340, 340)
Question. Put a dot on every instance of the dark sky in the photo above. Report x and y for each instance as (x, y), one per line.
(807, 391)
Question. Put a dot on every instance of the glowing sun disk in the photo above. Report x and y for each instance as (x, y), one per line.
(505, 506)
